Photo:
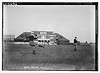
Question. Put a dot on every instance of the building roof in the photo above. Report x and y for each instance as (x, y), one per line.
(26, 34)
(9, 36)
(61, 37)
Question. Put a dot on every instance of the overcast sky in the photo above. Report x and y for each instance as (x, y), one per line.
(67, 20)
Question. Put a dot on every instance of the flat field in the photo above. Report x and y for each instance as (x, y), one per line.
(59, 57)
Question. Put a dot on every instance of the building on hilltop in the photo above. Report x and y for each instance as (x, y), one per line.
(43, 37)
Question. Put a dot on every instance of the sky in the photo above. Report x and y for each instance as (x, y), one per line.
(68, 20)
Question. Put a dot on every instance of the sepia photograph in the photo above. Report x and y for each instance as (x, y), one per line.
(50, 36)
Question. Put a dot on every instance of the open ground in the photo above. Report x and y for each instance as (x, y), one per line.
(59, 57)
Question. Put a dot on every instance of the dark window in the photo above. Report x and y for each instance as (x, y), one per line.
(45, 40)
(39, 40)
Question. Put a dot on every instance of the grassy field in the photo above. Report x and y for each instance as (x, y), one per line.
(59, 57)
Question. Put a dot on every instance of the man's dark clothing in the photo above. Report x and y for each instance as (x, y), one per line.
(75, 44)
(31, 38)
(75, 41)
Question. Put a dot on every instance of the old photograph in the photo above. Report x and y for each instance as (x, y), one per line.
(50, 36)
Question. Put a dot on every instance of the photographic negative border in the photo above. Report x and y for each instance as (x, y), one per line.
(61, 3)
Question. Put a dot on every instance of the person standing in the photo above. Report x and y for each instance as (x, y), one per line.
(75, 43)
(32, 38)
